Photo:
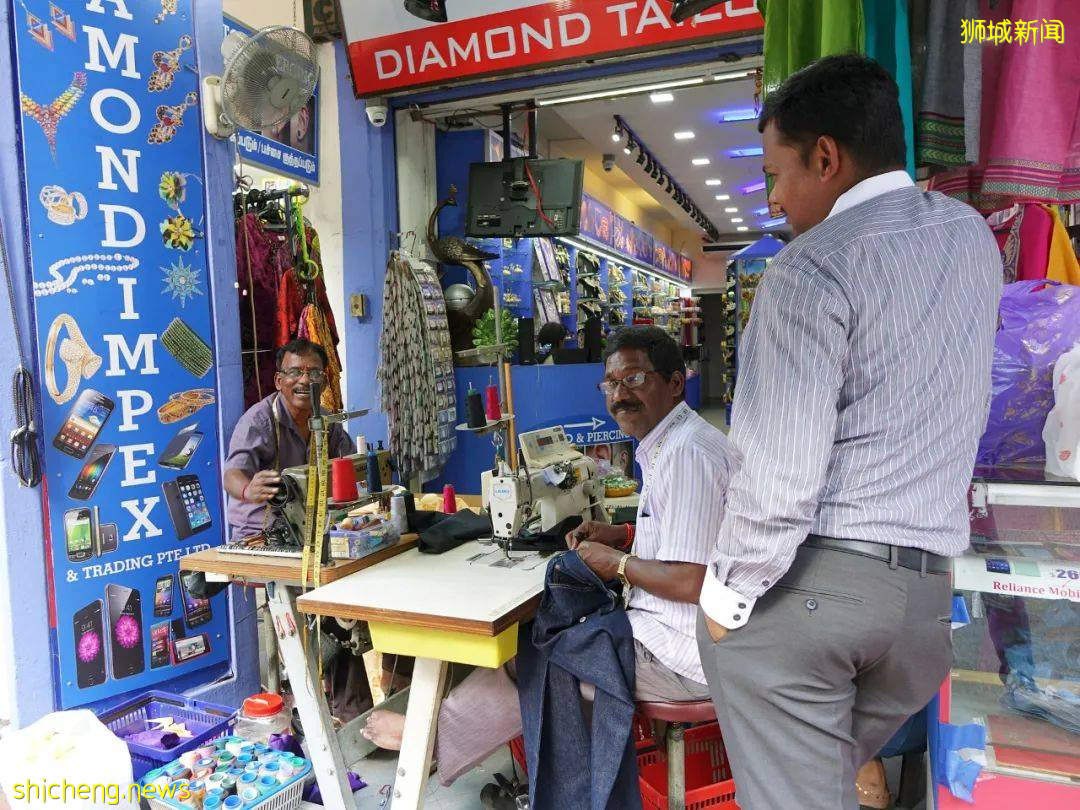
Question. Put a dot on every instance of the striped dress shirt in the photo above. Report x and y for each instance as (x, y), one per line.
(686, 465)
(864, 387)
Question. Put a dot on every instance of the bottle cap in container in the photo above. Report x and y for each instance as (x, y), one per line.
(266, 704)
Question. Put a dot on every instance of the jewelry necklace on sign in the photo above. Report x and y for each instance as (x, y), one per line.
(48, 115)
(103, 263)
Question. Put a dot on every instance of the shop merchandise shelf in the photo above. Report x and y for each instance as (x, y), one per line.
(205, 721)
(491, 426)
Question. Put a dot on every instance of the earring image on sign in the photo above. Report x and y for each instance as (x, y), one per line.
(167, 65)
(170, 118)
(39, 29)
(104, 264)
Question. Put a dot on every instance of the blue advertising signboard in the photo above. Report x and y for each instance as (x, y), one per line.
(114, 194)
(292, 148)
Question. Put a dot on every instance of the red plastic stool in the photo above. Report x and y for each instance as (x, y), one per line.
(677, 717)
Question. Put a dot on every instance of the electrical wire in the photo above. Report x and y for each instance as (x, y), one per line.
(539, 198)
(25, 454)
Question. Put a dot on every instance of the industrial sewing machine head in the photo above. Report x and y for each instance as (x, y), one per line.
(289, 506)
(556, 481)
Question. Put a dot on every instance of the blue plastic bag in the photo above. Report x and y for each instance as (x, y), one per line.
(1039, 321)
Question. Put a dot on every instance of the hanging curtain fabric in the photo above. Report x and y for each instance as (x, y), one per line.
(1029, 128)
(798, 32)
(257, 287)
(940, 139)
(887, 42)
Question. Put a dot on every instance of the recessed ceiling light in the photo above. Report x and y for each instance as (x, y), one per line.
(742, 228)
(750, 151)
(723, 196)
(736, 220)
(684, 135)
(727, 77)
(753, 188)
(738, 115)
(701, 161)
(715, 181)
(662, 98)
(731, 210)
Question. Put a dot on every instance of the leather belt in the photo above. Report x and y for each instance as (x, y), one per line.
(913, 559)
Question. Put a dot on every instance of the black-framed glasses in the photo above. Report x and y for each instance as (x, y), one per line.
(629, 382)
(315, 375)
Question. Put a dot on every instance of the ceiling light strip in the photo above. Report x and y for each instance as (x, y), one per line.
(622, 91)
(674, 190)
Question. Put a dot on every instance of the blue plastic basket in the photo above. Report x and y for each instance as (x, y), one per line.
(205, 721)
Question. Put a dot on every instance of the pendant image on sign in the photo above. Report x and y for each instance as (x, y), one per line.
(170, 118)
(183, 404)
(187, 348)
(173, 189)
(63, 207)
(167, 7)
(178, 232)
(167, 65)
(79, 359)
(182, 281)
(104, 263)
(48, 116)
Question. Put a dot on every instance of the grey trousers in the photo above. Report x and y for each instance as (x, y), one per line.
(835, 657)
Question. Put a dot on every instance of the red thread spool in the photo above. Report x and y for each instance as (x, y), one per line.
(449, 500)
(491, 406)
(344, 480)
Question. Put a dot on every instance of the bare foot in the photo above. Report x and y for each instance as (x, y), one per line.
(385, 729)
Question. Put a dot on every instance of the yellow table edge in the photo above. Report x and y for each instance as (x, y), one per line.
(445, 645)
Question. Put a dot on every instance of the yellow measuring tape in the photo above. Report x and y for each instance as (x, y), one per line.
(315, 520)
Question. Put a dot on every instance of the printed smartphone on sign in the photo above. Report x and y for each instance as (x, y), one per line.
(163, 599)
(108, 537)
(187, 505)
(83, 424)
(89, 646)
(196, 610)
(79, 533)
(180, 449)
(125, 631)
(90, 475)
(160, 653)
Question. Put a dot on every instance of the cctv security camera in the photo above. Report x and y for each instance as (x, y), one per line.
(377, 112)
(609, 162)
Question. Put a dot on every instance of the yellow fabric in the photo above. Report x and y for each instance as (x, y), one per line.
(445, 645)
(1062, 265)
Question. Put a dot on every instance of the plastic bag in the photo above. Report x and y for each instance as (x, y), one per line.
(1039, 322)
(1062, 431)
(61, 754)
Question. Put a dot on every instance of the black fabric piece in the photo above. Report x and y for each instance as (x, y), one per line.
(451, 531)
(554, 539)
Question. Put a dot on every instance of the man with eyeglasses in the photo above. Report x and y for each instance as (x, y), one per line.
(686, 464)
(273, 434)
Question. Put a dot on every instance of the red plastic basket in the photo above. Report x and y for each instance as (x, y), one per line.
(708, 774)
(643, 739)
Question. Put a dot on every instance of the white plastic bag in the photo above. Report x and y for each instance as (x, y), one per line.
(60, 754)
(1062, 430)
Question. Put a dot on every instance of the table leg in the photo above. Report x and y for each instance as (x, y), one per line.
(331, 770)
(418, 741)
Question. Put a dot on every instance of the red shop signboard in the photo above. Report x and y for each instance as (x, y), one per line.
(393, 50)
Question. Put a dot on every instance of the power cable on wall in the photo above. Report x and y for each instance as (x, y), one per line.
(25, 454)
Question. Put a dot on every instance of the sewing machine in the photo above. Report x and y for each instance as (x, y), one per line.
(556, 481)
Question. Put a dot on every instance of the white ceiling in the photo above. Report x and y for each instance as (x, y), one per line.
(697, 109)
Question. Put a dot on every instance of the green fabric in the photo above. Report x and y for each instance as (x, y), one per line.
(797, 32)
(887, 42)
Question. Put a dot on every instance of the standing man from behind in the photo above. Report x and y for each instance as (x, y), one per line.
(866, 386)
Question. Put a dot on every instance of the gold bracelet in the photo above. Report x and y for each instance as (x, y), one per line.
(622, 570)
(78, 357)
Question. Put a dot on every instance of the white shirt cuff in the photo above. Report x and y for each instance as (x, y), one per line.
(724, 606)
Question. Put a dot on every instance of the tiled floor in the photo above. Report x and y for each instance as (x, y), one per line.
(378, 771)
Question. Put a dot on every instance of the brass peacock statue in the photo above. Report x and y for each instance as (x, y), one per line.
(455, 251)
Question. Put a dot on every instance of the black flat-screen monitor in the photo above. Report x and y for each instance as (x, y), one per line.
(525, 197)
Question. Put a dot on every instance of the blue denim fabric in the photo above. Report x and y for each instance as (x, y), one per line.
(580, 634)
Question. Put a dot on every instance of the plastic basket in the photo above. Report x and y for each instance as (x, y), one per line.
(287, 797)
(205, 721)
(708, 774)
(643, 740)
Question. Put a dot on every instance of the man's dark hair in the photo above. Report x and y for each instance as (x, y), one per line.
(850, 98)
(664, 353)
(302, 348)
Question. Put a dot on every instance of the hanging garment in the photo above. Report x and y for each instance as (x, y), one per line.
(291, 296)
(581, 634)
(887, 42)
(1023, 236)
(316, 326)
(1062, 264)
(797, 33)
(940, 137)
(257, 287)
